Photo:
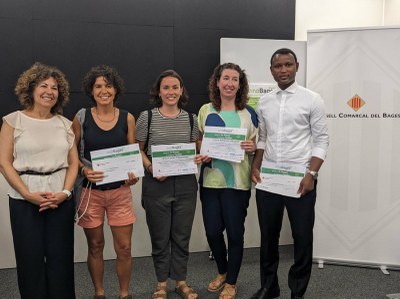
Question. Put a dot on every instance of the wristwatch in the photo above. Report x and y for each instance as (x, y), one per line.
(67, 192)
(313, 173)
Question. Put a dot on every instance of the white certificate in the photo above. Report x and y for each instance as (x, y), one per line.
(174, 159)
(281, 179)
(223, 143)
(116, 162)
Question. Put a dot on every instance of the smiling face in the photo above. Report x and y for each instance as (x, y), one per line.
(45, 94)
(103, 92)
(228, 84)
(283, 69)
(170, 91)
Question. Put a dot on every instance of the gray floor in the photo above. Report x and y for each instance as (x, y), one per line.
(331, 282)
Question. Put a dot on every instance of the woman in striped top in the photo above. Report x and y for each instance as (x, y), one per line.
(170, 202)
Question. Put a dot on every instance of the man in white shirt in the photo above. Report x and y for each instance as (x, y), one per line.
(292, 132)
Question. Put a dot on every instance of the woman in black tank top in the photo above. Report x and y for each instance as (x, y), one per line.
(105, 126)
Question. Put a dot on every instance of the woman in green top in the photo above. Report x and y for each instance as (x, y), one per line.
(225, 186)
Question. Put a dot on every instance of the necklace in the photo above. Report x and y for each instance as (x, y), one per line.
(102, 120)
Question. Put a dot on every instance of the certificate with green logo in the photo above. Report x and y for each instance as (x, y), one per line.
(174, 159)
(281, 179)
(223, 143)
(116, 162)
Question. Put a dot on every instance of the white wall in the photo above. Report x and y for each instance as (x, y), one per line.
(392, 12)
(7, 258)
(324, 14)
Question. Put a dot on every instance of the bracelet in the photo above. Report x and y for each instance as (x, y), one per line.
(67, 192)
(148, 167)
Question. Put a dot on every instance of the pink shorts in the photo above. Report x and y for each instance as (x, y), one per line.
(117, 203)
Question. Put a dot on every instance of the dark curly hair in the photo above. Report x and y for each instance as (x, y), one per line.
(30, 79)
(242, 95)
(155, 90)
(110, 75)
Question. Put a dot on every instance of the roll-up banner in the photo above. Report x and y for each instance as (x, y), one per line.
(357, 72)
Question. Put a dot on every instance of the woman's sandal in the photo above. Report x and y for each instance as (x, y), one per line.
(217, 283)
(185, 294)
(160, 292)
(229, 292)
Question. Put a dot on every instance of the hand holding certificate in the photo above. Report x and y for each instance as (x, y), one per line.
(116, 162)
(175, 159)
(281, 179)
(223, 143)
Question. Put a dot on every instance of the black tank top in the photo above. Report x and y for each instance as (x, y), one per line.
(96, 138)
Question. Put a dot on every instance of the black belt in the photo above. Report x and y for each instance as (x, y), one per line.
(109, 186)
(33, 172)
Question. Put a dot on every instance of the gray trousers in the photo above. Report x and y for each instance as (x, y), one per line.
(170, 206)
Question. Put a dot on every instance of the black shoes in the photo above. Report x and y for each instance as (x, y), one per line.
(260, 294)
(265, 293)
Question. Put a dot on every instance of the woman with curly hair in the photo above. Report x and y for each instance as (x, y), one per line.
(170, 202)
(105, 126)
(39, 160)
(224, 185)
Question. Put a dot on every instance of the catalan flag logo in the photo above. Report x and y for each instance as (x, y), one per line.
(356, 102)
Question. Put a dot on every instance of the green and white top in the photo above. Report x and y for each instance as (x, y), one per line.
(224, 174)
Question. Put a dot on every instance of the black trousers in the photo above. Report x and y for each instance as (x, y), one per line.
(44, 249)
(301, 214)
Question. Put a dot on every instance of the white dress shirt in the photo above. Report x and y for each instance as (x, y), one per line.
(292, 126)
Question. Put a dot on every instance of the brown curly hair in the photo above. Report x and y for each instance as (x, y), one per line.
(242, 95)
(30, 79)
(110, 75)
(155, 90)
